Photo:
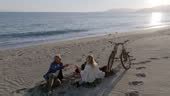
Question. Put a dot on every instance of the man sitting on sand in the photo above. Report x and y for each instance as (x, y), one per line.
(91, 71)
(54, 75)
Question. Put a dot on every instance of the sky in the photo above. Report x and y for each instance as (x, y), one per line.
(75, 5)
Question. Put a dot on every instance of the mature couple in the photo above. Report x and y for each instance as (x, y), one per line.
(89, 73)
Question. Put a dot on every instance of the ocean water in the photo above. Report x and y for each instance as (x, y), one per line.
(19, 29)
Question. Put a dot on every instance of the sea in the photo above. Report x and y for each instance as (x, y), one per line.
(18, 29)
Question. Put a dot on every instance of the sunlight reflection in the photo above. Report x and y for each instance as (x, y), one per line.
(156, 18)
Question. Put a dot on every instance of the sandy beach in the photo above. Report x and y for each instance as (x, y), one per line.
(23, 68)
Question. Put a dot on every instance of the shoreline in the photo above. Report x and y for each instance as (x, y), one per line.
(39, 43)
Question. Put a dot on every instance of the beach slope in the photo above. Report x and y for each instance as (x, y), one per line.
(22, 68)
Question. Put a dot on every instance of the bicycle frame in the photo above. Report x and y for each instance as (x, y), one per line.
(114, 52)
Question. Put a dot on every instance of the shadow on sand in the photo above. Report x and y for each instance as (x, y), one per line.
(103, 89)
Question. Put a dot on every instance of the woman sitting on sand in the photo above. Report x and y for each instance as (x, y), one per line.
(91, 71)
(54, 75)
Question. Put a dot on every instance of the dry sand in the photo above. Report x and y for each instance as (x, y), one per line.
(22, 68)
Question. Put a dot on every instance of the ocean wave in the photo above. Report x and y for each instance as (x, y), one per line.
(41, 33)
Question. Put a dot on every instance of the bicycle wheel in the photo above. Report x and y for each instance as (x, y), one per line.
(125, 60)
(110, 61)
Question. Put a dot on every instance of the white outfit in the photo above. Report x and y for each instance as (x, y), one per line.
(89, 74)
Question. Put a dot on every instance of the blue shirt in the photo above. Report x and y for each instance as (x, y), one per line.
(54, 67)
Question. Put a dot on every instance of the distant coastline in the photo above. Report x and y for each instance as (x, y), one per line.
(163, 8)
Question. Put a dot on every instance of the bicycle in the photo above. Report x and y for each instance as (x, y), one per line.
(124, 56)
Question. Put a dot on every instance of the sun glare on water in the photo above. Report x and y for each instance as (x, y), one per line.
(156, 18)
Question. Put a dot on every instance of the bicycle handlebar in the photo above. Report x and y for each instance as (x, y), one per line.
(119, 43)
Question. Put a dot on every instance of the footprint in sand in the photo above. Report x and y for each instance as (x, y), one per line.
(154, 58)
(132, 93)
(141, 75)
(83, 55)
(142, 62)
(20, 53)
(166, 57)
(103, 49)
(139, 68)
(133, 59)
(90, 52)
(98, 57)
(135, 83)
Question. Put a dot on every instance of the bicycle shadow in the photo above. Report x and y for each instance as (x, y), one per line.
(111, 84)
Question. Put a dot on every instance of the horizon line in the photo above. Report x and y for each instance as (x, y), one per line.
(78, 11)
